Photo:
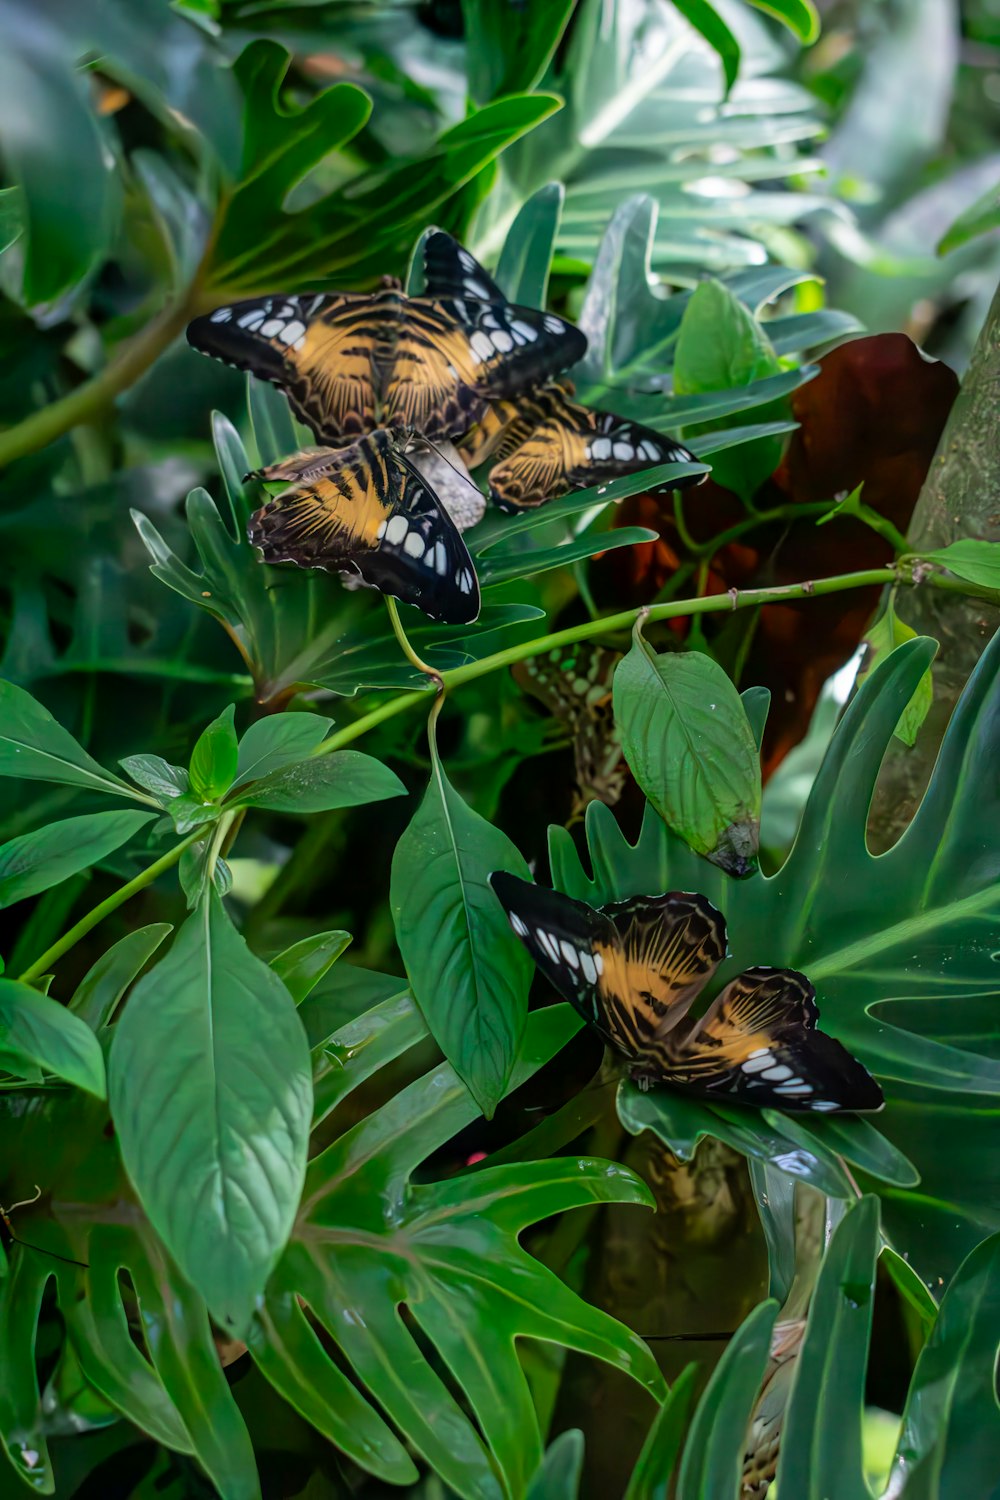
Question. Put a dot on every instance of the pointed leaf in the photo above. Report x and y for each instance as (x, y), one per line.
(278, 741)
(213, 759)
(38, 860)
(301, 967)
(558, 1477)
(156, 775)
(39, 1030)
(713, 1461)
(34, 747)
(655, 1464)
(105, 982)
(345, 778)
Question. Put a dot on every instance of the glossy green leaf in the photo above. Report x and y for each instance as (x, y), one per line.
(213, 759)
(46, 1034)
(510, 48)
(34, 747)
(99, 992)
(821, 1441)
(470, 975)
(501, 567)
(800, 16)
(359, 1253)
(156, 775)
(345, 778)
(275, 432)
(558, 1475)
(526, 257)
(689, 745)
(188, 811)
(720, 343)
(979, 218)
(910, 1288)
(21, 1292)
(278, 741)
(211, 1098)
(38, 860)
(707, 21)
(656, 1462)
(975, 561)
(712, 1461)
(196, 864)
(951, 1425)
(301, 967)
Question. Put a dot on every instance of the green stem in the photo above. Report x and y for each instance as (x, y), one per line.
(85, 402)
(105, 908)
(404, 642)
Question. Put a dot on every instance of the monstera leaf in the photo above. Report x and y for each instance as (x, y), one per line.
(901, 949)
(390, 1269)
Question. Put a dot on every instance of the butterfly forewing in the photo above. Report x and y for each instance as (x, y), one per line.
(576, 447)
(670, 947)
(371, 514)
(757, 1043)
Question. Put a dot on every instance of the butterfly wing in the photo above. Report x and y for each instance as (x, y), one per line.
(574, 684)
(452, 271)
(374, 516)
(624, 966)
(577, 447)
(507, 424)
(758, 1044)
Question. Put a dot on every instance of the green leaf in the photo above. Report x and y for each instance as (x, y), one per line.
(193, 872)
(655, 1463)
(278, 741)
(975, 561)
(501, 567)
(979, 218)
(713, 1461)
(526, 257)
(821, 1442)
(188, 812)
(344, 778)
(888, 632)
(470, 975)
(43, 1033)
(38, 860)
(275, 433)
(910, 1288)
(720, 343)
(156, 775)
(689, 745)
(558, 1476)
(99, 992)
(951, 1425)
(707, 21)
(301, 967)
(213, 759)
(34, 747)
(211, 1097)
(509, 48)
(800, 16)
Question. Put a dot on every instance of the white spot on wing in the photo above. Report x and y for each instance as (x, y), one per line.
(221, 315)
(396, 530)
(598, 963)
(588, 966)
(521, 928)
(503, 341)
(292, 332)
(600, 448)
(624, 451)
(569, 953)
(524, 330)
(414, 545)
(757, 1064)
(777, 1074)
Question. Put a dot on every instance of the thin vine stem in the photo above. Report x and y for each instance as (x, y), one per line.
(105, 908)
(392, 609)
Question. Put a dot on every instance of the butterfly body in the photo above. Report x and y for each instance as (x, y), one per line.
(634, 968)
(364, 509)
(430, 365)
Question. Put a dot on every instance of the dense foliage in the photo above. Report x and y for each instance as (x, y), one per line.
(309, 1189)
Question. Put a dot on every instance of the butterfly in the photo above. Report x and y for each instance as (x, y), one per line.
(367, 510)
(352, 362)
(574, 684)
(546, 444)
(634, 968)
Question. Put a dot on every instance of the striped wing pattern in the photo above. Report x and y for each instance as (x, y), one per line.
(634, 968)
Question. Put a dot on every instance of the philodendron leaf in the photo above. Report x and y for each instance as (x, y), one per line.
(345, 778)
(655, 1463)
(214, 758)
(712, 1460)
(46, 1035)
(34, 747)
(36, 861)
(470, 975)
(278, 741)
(211, 1095)
(974, 561)
(690, 746)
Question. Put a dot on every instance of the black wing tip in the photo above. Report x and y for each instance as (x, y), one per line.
(506, 886)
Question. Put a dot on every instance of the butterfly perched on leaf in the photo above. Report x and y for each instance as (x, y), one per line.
(352, 363)
(634, 968)
(367, 510)
(574, 684)
(545, 444)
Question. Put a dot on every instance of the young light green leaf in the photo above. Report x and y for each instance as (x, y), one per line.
(800, 16)
(34, 747)
(157, 776)
(36, 861)
(46, 1035)
(888, 632)
(972, 560)
(509, 47)
(346, 778)
(470, 975)
(214, 758)
(278, 741)
(689, 745)
(301, 967)
(211, 1094)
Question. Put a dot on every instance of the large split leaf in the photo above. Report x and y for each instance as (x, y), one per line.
(899, 948)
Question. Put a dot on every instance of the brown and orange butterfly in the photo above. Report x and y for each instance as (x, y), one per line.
(367, 510)
(634, 968)
(351, 363)
(574, 684)
(545, 444)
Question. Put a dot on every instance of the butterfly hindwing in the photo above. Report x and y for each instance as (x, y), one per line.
(371, 514)
(576, 447)
(758, 1044)
(452, 271)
